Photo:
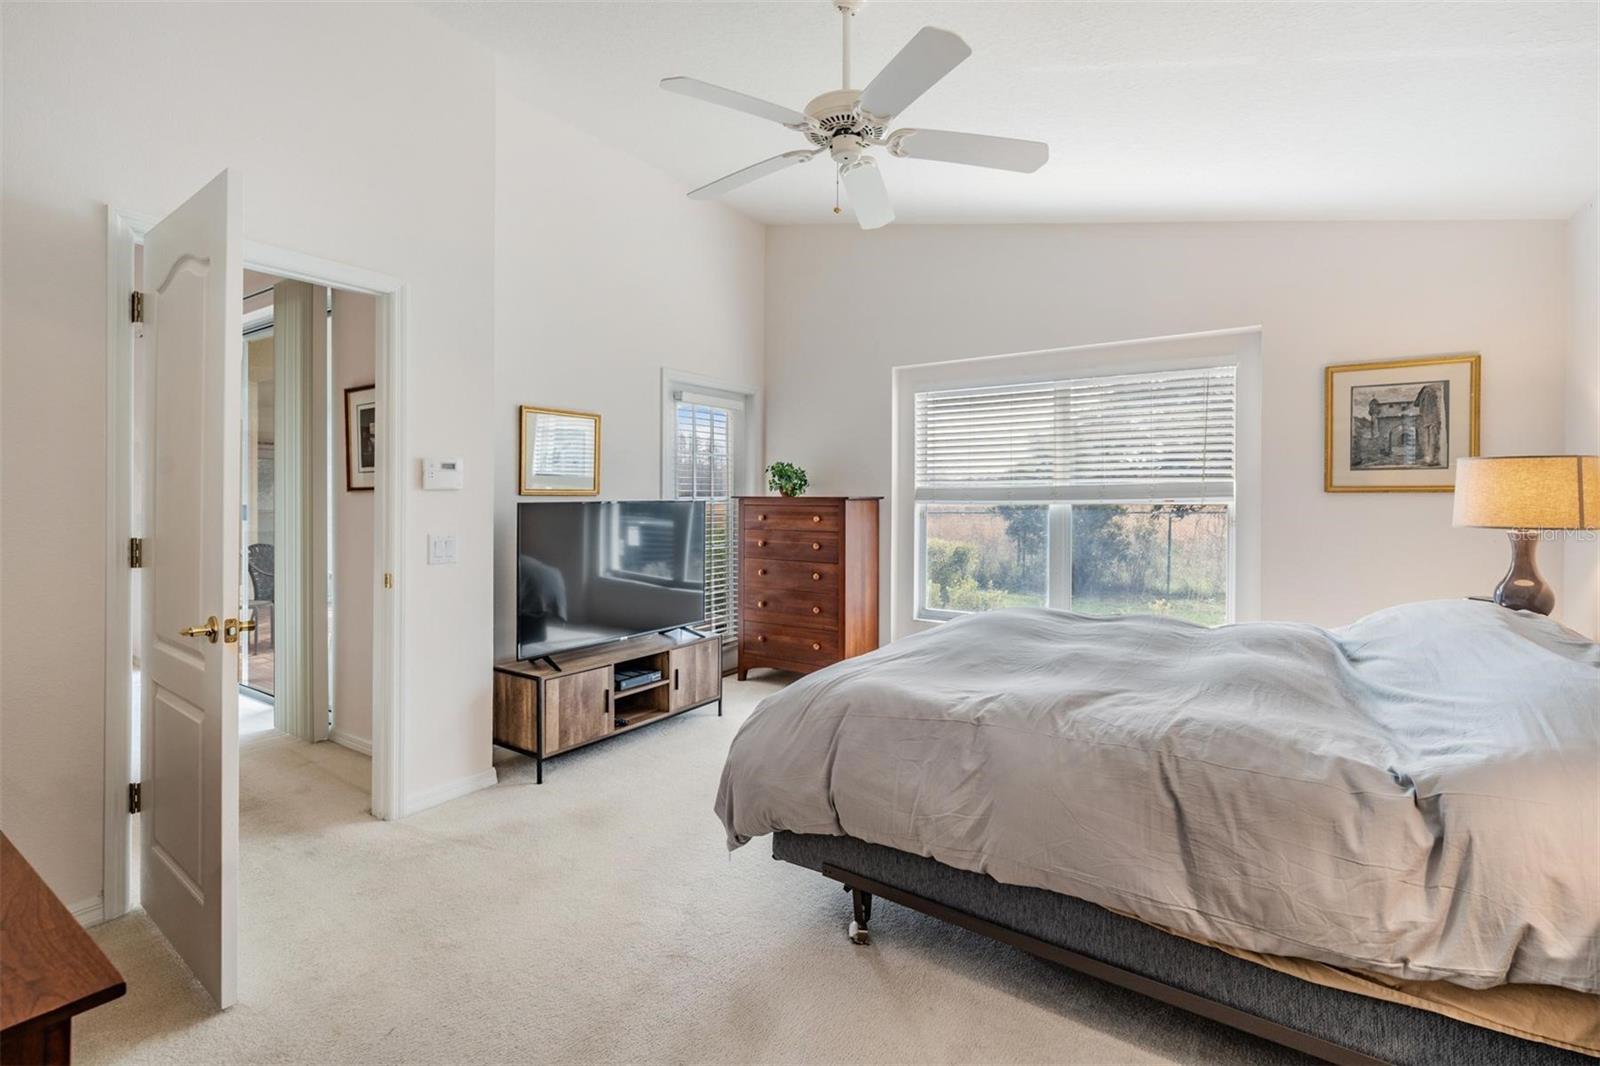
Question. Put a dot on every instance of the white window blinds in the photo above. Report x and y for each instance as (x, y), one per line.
(703, 470)
(1131, 436)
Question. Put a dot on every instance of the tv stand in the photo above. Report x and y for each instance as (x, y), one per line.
(568, 700)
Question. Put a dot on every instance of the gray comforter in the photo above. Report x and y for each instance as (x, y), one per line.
(1416, 794)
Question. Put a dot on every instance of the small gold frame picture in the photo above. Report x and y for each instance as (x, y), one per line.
(1399, 425)
(560, 452)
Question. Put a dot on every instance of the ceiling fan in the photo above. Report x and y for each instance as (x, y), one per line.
(846, 122)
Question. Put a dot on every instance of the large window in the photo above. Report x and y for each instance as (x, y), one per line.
(706, 431)
(1109, 494)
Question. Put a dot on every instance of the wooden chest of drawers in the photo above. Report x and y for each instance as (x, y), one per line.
(808, 580)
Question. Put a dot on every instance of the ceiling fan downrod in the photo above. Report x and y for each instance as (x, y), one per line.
(847, 9)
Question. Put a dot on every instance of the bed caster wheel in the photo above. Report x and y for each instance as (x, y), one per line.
(859, 934)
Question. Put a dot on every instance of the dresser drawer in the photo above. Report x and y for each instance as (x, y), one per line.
(821, 578)
(757, 516)
(794, 545)
(790, 605)
(763, 641)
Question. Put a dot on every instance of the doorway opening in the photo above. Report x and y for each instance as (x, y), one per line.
(375, 630)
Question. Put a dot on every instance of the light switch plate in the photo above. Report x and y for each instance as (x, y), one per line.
(441, 549)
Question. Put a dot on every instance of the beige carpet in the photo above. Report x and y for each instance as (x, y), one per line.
(595, 918)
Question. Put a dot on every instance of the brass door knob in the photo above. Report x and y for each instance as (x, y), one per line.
(209, 630)
(232, 627)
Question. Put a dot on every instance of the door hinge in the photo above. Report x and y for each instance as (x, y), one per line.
(135, 552)
(388, 581)
(135, 800)
(136, 306)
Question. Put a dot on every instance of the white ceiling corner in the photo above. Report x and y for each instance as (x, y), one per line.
(1153, 111)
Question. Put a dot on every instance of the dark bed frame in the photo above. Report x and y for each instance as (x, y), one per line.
(1328, 1023)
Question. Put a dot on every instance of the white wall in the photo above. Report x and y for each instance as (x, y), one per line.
(1580, 598)
(355, 347)
(604, 273)
(843, 307)
(364, 134)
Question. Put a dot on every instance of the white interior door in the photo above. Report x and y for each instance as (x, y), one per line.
(193, 285)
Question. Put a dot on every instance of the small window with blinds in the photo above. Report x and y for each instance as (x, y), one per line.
(702, 469)
(1101, 495)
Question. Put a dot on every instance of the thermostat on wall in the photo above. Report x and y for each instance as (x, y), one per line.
(440, 474)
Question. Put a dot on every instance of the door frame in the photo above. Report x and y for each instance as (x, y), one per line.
(124, 230)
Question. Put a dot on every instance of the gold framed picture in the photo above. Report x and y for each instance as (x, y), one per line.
(560, 452)
(1399, 425)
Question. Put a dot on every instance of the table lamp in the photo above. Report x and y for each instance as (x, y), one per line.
(1526, 494)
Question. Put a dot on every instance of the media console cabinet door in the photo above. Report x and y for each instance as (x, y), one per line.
(696, 674)
(577, 708)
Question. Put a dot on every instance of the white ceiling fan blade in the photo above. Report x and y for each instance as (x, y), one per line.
(750, 105)
(926, 58)
(869, 196)
(751, 173)
(973, 149)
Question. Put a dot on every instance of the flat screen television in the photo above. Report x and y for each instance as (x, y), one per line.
(588, 573)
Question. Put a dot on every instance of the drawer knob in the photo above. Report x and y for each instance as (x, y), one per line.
(814, 575)
(762, 572)
(761, 544)
(816, 518)
(761, 640)
(815, 646)
(815, 546)
(761, 603)
(761, 517)
(816, 610)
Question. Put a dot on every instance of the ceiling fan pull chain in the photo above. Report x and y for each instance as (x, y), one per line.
(836, 191)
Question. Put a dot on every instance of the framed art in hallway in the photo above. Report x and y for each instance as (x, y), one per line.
(360, 438)
(1399, 425)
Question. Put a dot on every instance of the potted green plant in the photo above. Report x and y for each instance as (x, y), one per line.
(786, 479)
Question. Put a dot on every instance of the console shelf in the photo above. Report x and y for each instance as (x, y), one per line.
(570, 700)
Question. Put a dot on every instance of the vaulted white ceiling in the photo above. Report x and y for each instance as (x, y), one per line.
(1153, 111)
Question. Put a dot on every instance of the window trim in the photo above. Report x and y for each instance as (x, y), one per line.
(1240, 347)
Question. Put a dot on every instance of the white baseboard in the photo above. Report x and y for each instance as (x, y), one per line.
(345, 740)
(448, 791)
(89, 912)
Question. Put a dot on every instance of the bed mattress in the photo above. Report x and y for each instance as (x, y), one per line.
(1415, 796)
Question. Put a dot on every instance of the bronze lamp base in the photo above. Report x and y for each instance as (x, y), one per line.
(1524, 588)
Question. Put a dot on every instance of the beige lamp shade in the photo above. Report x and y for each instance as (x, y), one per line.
(1529, 492)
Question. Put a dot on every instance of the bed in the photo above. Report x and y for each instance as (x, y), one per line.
(1373, 843)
